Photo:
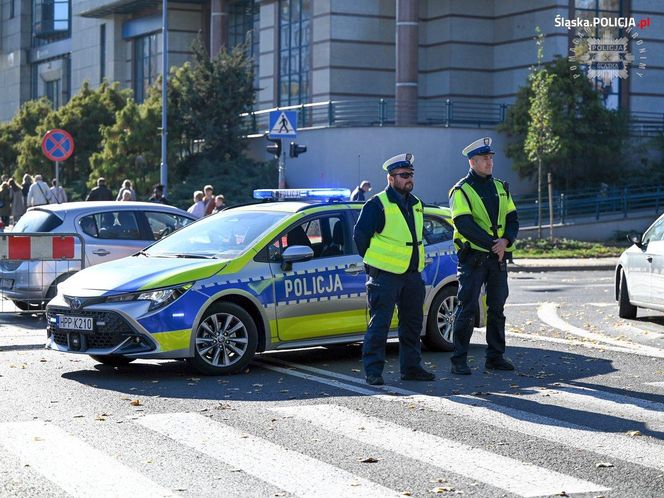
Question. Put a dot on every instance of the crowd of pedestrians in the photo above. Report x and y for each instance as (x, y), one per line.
(15, 199)
(206, 203)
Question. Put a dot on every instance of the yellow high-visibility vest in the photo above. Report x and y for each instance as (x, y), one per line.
(464, 199)
(391, 249)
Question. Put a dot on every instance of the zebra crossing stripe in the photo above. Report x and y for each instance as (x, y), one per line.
(287, 469)
(621, 446)
(511, 475)
(72, 464)
(601, 402)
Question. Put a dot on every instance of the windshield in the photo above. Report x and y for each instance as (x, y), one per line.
(37, 220)
(223, 235)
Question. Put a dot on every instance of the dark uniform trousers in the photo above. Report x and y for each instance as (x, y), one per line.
(474, 270)
(384, 290)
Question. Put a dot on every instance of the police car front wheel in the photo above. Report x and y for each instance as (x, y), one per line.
(225, 340)
(440, 322)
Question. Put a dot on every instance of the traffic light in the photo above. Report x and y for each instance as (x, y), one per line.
(296, 149)
(275, 147)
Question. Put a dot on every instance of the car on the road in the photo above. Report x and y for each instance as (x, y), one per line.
(109, 230)
(252, 278)
(639, 275)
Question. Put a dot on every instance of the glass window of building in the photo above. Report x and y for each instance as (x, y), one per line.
(589, 10)
(145, 65)
(243, 27)
(295, 26)
(51, 19)
(51, 79)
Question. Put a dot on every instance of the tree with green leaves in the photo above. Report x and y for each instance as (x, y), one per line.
(83, 116)
(209, 96)
(541, 141)
(24, 123)
(592, 138)
(131, 147)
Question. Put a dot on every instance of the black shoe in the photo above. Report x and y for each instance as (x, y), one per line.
(375, 380)
(460, 369)
(418, 375)
(499, 363)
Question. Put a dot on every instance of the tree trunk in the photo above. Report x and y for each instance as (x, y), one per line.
(539, 197)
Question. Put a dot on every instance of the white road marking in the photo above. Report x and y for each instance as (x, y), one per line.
(570, 342)
(558, 286)
(636, 330)
(603, 402)
(655, 384)
(602, 305)
(72, 464)
(548, 313)
(511, 475)
(620, 446)
(287, 469)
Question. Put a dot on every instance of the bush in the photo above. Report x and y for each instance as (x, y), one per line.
(235, 179)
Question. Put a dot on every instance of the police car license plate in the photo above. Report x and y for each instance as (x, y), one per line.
(75, 323)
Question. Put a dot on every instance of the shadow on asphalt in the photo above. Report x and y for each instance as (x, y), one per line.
(32, 321)
(536, 369)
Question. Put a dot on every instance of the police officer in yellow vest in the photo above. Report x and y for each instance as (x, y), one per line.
(485, 228)
(388, 235)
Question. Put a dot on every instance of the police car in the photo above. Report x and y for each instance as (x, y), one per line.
(252, 278)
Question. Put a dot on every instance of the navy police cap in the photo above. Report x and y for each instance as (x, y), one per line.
(400, 161)
(478, 148)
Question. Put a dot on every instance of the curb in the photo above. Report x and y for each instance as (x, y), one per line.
(543, 268)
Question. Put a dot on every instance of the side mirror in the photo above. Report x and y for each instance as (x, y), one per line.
(293, 254)
(635, 238)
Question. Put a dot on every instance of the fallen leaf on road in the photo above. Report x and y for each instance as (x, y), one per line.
(369, 460)
(442, 489)
(135, 402)
(634, 433)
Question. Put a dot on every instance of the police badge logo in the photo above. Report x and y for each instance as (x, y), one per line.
(606, 58)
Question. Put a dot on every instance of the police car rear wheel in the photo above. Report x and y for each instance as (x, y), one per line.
(440, 323)
(225, 340)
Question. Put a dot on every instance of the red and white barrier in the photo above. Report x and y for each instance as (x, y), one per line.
(38, 247)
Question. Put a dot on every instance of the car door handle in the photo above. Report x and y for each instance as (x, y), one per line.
(101, 252)
(354, 269)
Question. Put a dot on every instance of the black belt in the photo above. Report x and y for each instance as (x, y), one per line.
(411, 244)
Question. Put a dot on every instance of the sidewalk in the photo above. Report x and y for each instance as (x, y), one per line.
(563, 264)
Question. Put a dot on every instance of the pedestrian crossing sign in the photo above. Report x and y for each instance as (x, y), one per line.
(283, 124)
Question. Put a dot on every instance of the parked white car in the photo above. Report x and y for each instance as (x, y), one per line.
(640, 272)
(110, 230)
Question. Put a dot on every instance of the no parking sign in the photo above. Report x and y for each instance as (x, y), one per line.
(57, 145)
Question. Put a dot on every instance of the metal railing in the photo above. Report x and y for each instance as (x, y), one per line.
(593, 204)
(444, 113)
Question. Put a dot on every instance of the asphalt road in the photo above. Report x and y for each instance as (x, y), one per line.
(583, 415)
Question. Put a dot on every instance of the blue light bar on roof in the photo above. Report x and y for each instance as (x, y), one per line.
(303, 194)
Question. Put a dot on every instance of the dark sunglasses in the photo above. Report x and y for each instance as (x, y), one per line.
(405, 176)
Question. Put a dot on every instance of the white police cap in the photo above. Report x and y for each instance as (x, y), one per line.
(479, 147)
(400, 161)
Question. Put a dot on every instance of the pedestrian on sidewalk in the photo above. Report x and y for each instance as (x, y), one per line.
(485, 228)
(59, 193)
(126, 187)
(5, 203)
(18, 202)
(361, 191)
(39, 193)
(197, 209)
(101, 192)
(388, 235)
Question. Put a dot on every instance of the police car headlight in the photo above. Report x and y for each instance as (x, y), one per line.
(158, 298)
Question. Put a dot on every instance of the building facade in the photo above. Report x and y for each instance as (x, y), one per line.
(421, 57)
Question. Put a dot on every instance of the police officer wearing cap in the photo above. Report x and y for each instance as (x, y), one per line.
(388, 235)
(485, 228)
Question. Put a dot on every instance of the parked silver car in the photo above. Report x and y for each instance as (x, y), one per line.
(109, 230)
(639, 276)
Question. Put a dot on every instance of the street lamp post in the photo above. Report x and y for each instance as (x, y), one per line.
(163, 173)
